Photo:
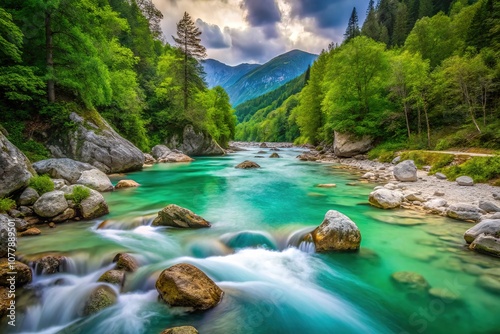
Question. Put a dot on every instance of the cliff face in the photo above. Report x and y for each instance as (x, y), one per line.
(194, 143)
(15, 168)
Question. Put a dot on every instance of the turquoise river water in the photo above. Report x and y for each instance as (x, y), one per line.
(273, 282)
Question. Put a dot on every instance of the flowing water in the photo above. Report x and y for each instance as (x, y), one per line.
(255, 251)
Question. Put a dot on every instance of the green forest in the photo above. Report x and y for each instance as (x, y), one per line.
(415, 74)
(63, 56)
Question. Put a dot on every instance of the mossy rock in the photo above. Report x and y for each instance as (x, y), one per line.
(100, 298)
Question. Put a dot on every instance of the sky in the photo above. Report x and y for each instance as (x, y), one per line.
(255, 31)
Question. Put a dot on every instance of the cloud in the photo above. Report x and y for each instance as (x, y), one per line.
(212, 36)
(261, 13)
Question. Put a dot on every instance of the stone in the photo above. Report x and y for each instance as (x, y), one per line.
(274, 155)
(5, 301)
(194, 143)
(64, 168)
(50, 204)
(486, 244)
(440, 176)
(307, 157)
(465, 181)
(149, 159)
(176, 216)
(438, 193)
(30, 232)
(444, 294)
(385, 198)
(6, 226)
(48, 265)
(405, 171)
(113, 276)
(396, 160)
(95, 179)
(488, 206)
(94, 206)
(347, 145)
(100, 298)
(496, 196)
(487, 227)
(68, 214)
(23, 274)
(326, 185)
(21, 224)
(489, 283)
(93, 140)
(187, 286)
(464, 211)
(28, 197)
(410, 280)
(126, 184)
(337, 232)
(125, 262)
(263, 145)
(436, 205)
(415, 196)
(16, 170)
(368, 175)
(247, 164)
(180, 330)
(59, 183)
(495, 216)
(26, 211)
(163, 154)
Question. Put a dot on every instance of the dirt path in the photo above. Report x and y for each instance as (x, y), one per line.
(463, 153)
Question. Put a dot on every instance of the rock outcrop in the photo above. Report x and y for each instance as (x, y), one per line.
(337, 232)
(163, 154)
(195, 143)
(176, 216)
(247, 164)
(405, 171)
(346, 145)
(93, 141)
(187, 286)
(64, 168)
(15, 168)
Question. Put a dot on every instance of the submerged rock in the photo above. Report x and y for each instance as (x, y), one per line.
(247, 164)
(490, 283)
(410, 280)
(126, 184)
(100, 298)
(405, 171)
(326, 185)
(187, 286)
(180, 330)
(386, 199)
(337, 232)
(176, 216)
(444, 294)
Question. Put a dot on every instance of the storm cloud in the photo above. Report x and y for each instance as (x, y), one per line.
(261, 12)
(213, 37)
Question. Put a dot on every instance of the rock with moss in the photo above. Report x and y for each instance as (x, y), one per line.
(194, 143)
(337, 232)
(50, 204)
(100, 298)
(63, 168)
(180, 330)
(93, 141)
(48, 264)
(16, 170)
(113, 276)
(187, 286)
(176, 216)
(93, 206)
(274, 155)
(125, 262)
(22, 272)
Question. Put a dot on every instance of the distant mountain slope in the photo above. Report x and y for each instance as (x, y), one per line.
(270, 76)
(220, 74)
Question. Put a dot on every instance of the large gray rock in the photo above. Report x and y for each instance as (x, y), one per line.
(163, 154)
(185, 285)
(95, 179)
(15, 168)
(176, 216)
(194, 143)
(64, 168)
(386, 199)
(28, 197)
(50, 204)
(347, 145)
(465, 181)
(487, 227)
(464, 211)
(337, 232)
(489, 206)
(405, 171)
(94, 206)
(93, 141)
(486, 244)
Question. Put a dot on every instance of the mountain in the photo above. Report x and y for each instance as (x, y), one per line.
(220, 74)
(248, 81)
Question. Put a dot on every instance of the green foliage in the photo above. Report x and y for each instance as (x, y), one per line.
(480, 169)
(42, 184)
(78, 194)
(385, 152)
(423, 158)
(7, 204)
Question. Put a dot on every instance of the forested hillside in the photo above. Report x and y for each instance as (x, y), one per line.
(65, 56)
(415, 74)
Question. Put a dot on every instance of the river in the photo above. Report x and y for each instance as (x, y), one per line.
(273, 283)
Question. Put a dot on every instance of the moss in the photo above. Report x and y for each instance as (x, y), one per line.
(42, 184)
(7, 204)
(79, 194)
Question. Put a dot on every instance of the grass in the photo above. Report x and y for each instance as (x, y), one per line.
(42, 184)
(7, 204)
(422, 158)
(79, 194)
(480, 169)
(385, 152)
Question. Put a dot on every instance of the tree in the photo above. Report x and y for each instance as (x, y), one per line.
(371, 26)
(352, 27)
(425, 9)
(189, 43)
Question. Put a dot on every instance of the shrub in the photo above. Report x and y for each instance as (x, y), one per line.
(385, 152)
(422, 158)
(7, 204)
(42, 184)
(480, 169)
(78, 195)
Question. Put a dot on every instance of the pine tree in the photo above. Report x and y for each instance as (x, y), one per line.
(371, 26)
(352, 27)
(189, 42)
(400, 26)
(426, 8)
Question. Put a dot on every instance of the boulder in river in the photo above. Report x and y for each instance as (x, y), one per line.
(113, 276)
(337, 232)
(95, 179)
(48, 264)
(274, 155)
(180, 330)
(63, 168)
(100, 298)
(16, 170)
(247, 164)
(187, 286)
(93, 141)
(50, 204)
(465, 181)
(164, 154)
(23, 273)
(464, 211)
(486, 244)
(346, 145)
(194, 143)
(125, 262)
(487, 227)
(126, 184)
(176, 216)
(94, 206)
(405, 171)
(386, 199)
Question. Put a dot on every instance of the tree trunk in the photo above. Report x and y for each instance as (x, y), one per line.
(407, 119)
(49, 46)
(427, 123)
